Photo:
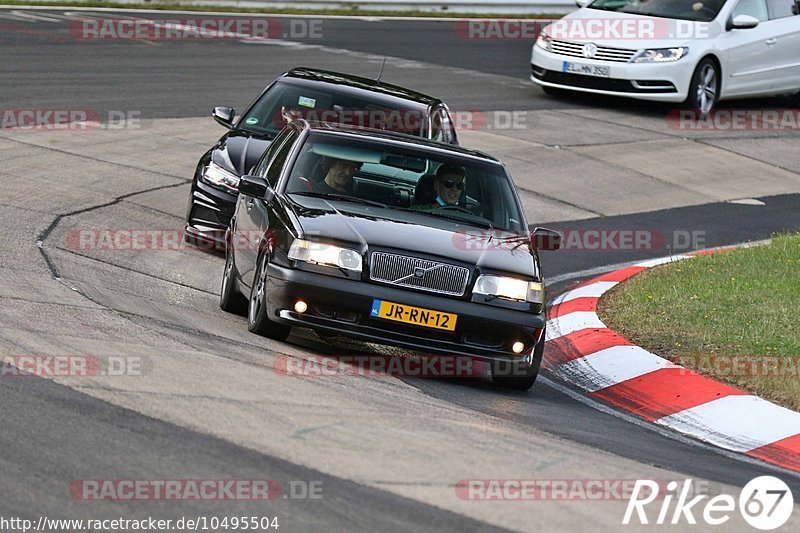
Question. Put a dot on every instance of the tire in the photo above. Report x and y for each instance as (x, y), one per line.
(523, 382)
(230, 299)
(704, 87)
(258, 321)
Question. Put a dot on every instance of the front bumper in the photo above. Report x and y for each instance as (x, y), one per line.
(209, 214)
(343, 306)
(664, 82)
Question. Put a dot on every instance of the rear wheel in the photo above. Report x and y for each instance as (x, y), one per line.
(704, 88)
(257, 315)
(518, 376)
(230, 299)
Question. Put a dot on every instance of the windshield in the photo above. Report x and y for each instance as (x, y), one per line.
(699, 10)
(430, 184)
(285, 101)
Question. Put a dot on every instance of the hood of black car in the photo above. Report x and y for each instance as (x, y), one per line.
(416, 234)
(239, 151)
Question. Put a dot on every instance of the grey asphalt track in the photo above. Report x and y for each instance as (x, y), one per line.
(188, 421)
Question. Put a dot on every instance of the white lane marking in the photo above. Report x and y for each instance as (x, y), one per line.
(661, 261)
(593, 290)
(661, 431)
(746, 201)
(386, 17)
(739, 423)
(38, 17)
(571, 322)
(9, 16)
(610, 366)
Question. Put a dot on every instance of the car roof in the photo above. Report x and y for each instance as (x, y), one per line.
(394, 137)
(350, 83)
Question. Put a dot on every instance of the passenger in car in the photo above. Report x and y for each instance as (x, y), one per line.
(339, 178)
(448, 185)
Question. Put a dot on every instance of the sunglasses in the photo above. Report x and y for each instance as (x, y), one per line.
(449, 184)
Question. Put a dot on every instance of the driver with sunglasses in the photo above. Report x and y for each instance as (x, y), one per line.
(448, 185)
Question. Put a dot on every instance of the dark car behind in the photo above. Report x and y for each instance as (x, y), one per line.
(302, 92)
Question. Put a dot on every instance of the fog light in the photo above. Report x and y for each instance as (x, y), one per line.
(517, 347)
(300, 306)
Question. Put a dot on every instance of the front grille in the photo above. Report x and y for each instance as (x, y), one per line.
(604, 53)
(600, 84)
(435, 277)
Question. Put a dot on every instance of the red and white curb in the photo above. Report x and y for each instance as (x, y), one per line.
(583, 351)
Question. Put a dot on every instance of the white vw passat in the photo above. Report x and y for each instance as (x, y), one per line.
(692, 51)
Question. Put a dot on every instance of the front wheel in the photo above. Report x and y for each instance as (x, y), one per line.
(258, 321)
(516, 376)
(704, 88)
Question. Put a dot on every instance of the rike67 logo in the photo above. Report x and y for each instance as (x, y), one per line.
(766, 503)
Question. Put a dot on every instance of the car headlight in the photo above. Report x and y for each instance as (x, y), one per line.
(325, 254)
(511, 288)
(660, 55)
(543, 41)
(218, 176)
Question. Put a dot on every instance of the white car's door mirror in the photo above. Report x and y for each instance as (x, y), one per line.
(583, 3)
(744, 22)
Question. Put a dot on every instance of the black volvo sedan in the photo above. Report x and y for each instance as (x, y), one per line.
(312, 94)
(401, 241)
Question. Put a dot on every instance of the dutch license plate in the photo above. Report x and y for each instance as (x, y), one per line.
(413, 315)
(600, 71)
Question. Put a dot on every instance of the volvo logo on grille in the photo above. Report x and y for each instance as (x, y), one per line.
(589, 50)
(419, 272)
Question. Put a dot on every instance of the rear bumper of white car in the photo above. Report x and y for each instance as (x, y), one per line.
(662, 82)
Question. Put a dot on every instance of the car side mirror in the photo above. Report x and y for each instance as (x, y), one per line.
(224, 116)
(742, 22)
(254, 186)
(547, 240)
(583, 3)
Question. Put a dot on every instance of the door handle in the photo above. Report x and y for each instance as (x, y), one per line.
(771, 41)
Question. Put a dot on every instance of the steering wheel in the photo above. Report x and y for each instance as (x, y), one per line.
(454, 208)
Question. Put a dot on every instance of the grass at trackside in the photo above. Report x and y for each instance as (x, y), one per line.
(174, 6)
(724, 315)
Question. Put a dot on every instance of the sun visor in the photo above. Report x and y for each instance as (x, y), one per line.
(348, 153)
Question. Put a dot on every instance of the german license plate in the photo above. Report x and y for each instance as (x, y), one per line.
(601, 71)
(413, 315)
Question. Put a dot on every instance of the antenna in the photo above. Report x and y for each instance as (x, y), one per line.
(378, 80)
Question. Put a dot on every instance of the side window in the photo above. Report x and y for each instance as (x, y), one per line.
(275, 167)
(754, 8)
(779, 9)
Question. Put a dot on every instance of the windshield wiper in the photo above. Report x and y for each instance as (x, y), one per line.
(481, 222)
(342, 197)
